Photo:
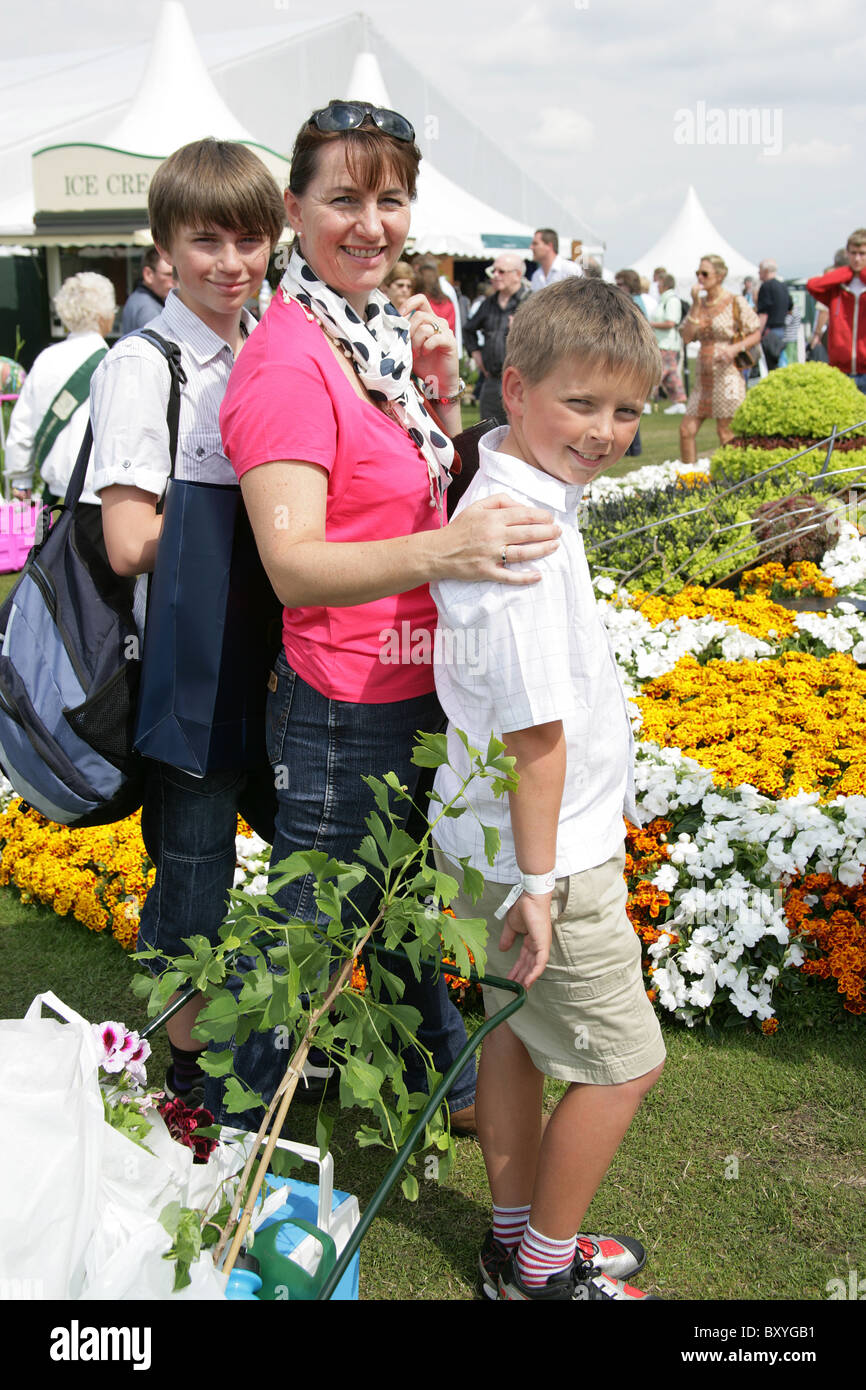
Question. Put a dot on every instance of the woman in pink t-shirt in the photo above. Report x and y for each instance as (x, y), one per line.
(343, 471)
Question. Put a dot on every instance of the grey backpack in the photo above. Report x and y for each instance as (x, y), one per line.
(70, 662)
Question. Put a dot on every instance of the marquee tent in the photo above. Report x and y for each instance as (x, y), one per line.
(690, 236)
(269, 78)
(446, 219)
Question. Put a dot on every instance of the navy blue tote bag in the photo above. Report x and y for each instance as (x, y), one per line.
(212, 632)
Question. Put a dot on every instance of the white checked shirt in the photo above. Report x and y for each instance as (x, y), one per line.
(510, 658)
(128, 402)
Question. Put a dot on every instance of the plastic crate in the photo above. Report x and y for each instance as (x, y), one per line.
(318, 1206)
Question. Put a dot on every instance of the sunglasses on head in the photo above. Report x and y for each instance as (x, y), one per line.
(349, 115)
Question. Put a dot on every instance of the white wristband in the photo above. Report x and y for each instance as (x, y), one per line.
(529, 883)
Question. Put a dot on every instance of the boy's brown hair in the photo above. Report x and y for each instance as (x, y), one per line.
(587, 319)
(214, 183)
(857, 238)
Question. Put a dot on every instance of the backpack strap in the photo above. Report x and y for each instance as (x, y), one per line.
(171, 353)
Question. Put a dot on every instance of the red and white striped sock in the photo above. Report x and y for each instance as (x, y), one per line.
(538, 1257)
(509, 1223)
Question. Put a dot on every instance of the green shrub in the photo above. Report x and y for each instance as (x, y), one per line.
(805, 400)
(686, 542)
(733, 462)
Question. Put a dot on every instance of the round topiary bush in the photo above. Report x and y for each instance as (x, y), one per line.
(803, 401)
(788, 411)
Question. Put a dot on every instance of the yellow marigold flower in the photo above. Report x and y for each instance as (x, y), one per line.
(755, 614)
(802, 577)
(794, 723)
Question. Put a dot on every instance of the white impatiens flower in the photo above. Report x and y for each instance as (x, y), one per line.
(666, 879)
(702, 992)
(696, 959)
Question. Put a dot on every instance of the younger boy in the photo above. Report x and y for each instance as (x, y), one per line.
(215, 216)
(581, 361)
(840, 290)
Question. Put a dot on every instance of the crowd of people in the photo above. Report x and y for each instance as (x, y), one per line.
(343, 401)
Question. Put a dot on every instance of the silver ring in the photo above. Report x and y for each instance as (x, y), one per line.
(504, 560)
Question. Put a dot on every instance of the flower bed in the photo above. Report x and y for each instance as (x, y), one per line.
(747, 878)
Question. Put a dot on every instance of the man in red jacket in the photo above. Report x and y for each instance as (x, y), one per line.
(841, 290)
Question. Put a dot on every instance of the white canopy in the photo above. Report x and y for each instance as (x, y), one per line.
(446, 220)
(268, 78)
(176, 101)
(690, 236)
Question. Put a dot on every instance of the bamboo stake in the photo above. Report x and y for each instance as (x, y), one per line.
(283, 1097)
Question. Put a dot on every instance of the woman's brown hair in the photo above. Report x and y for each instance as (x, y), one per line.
(373, 158)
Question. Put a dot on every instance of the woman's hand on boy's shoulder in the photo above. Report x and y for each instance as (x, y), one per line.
(529, 918)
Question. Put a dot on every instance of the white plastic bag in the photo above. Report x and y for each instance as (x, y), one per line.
(53, 1135)
(125, 1256)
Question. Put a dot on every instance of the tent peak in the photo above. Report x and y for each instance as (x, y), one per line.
(176, 101)
(366, 82)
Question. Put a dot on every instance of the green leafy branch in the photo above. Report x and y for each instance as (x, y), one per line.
(296, 975)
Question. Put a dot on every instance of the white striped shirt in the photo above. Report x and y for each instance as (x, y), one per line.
(129, 398)
(511, 658)
(128, 402)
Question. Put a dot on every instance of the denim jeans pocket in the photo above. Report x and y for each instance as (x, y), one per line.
(279, 707)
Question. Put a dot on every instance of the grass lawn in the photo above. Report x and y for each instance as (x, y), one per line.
(743, 1174)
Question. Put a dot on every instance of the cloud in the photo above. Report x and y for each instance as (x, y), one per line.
(815, 154)
(562, 129)
(612, 207)
(527, 40)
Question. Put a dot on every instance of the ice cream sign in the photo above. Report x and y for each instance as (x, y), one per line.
(75, 179)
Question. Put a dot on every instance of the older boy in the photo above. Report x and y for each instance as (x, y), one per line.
(840, 290)
(581, 362)
(215, 215)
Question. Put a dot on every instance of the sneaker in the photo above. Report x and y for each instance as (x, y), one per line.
(616, 1256)
(582, 1283)
(677, 409)
(193, 1098)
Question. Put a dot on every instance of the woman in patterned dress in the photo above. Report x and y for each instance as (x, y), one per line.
(722, 332)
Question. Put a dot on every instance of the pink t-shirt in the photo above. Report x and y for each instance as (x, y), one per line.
(287, 399)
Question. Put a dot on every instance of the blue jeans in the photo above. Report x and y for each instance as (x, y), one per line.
(320, 749)
(189, 826)
(859, 380)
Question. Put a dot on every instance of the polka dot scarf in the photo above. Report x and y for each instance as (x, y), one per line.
(379, 348)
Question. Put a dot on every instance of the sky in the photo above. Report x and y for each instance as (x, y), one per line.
(615, 105)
